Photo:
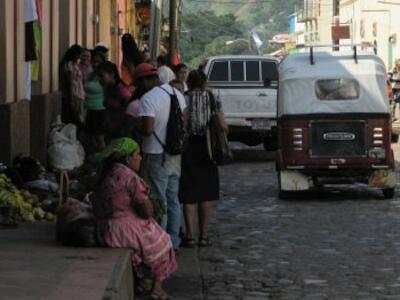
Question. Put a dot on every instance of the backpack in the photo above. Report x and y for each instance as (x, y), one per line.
(175, 127)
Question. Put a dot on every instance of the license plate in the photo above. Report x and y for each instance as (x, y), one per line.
(261, 124)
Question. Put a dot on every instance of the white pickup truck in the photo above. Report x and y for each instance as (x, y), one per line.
(249, 104)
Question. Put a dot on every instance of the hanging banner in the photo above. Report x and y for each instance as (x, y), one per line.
(257, 39)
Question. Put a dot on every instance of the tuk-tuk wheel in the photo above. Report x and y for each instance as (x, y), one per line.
(270, 145)
(283, 195)
(395, 138)
(388, 193)
(316, 183)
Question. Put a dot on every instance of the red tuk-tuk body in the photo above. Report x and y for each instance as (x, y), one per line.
(334, 122)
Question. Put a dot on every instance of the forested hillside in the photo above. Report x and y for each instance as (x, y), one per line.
(212, 27)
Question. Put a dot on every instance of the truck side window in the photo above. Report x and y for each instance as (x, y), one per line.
(252, 71)
(269, 70)
(237, 71)
(219, 71)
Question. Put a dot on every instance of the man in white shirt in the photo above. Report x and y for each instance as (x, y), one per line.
(160, 170)
(164, 72)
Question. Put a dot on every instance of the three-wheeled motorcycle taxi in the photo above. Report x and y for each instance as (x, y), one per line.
(334, 122)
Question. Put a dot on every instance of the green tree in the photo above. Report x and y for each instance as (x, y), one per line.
(206, 32)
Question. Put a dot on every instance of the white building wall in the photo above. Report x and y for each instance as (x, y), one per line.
(299, 31)
(325, 21)
(362, 15)
(319, 18)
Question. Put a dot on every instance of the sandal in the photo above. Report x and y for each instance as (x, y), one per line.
(205, 242)
(188, 243)
(143, 287)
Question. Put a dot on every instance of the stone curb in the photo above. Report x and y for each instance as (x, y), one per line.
(121, 284)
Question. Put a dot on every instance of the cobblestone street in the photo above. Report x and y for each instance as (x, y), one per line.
(342, 243)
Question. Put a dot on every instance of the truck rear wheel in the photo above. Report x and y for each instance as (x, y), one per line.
(388, 193)
(270, 145)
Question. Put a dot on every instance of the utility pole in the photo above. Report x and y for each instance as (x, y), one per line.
(173, 30)
(155, 28)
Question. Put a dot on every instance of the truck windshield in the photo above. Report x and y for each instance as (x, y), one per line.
(337, 89)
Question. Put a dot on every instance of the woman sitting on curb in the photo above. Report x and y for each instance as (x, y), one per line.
(124, 213)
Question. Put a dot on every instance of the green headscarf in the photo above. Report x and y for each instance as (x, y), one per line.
(116, 149)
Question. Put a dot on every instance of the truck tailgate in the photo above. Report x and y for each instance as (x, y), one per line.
(248, 103)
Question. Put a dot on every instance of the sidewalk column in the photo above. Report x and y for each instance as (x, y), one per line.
(79, 21)
(45, 55)
(54, 42)
(105, 23)
(68, 26)
(7, 76)
(88, 24)
(19, 43)
(45, 104)
(14, 114)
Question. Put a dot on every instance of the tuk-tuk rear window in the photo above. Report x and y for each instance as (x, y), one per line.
(337, 89)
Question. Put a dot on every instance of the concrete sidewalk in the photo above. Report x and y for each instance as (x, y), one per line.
(35, 267)
(186, 283)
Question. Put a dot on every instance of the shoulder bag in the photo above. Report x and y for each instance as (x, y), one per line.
(217, 140)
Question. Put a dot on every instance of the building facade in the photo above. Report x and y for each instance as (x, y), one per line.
(29, 96)
(318, 17)
(373, 23)
(297, 29)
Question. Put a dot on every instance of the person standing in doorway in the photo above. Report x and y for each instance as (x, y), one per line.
(71, 85)
(116, 98)
(199, 186)
(161, 170)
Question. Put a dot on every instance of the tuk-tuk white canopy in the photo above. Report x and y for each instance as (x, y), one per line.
(300, 84)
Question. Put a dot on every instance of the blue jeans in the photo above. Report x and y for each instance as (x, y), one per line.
(163, 178)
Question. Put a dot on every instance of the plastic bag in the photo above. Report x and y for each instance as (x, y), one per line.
(65, 152)
(44, 185)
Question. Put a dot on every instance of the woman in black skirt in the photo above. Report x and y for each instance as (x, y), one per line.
(199, 180)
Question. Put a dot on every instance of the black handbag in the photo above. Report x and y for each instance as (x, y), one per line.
(217, 140)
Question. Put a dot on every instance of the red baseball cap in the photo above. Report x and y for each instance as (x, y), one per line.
(144, 70)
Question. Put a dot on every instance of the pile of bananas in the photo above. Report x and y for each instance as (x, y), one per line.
(20, 205)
